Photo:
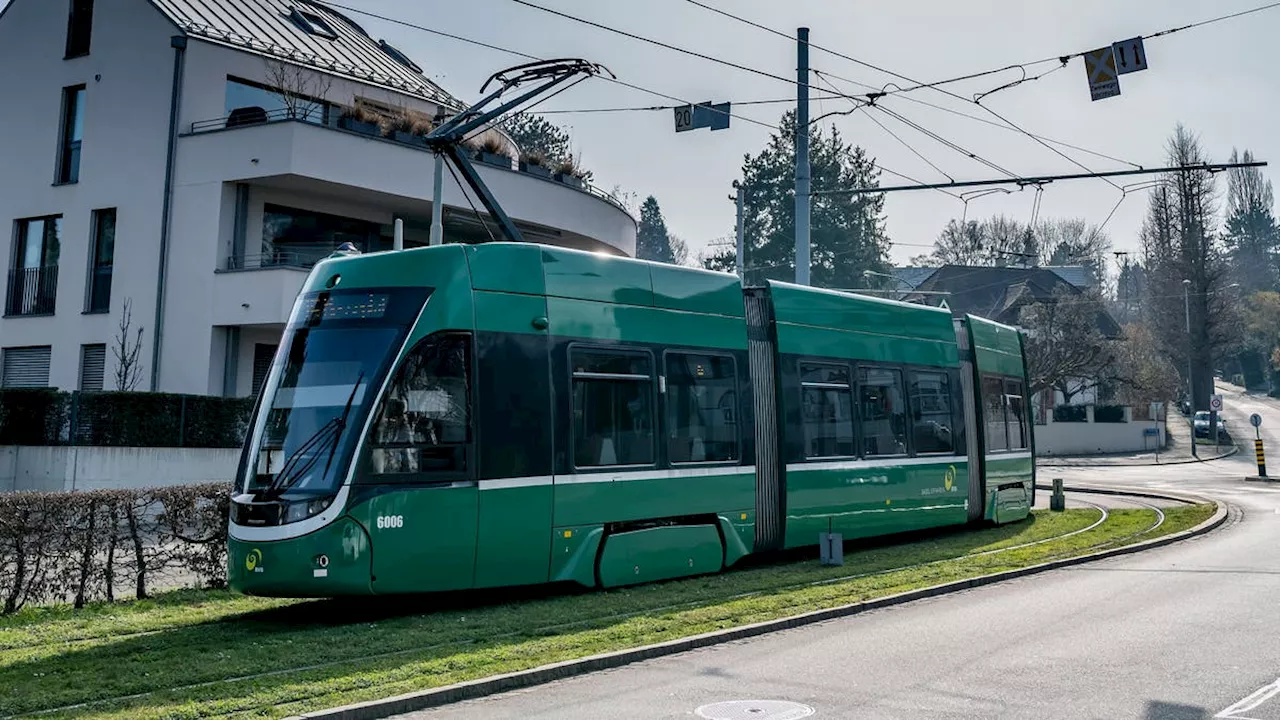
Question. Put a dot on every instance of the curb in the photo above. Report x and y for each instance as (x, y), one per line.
(473, 689)
(1189, 461)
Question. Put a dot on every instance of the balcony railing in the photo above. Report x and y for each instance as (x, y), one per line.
(250, 117)
(294, 255)
(32, 291)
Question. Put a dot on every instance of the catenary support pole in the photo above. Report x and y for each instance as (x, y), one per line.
(740, 261)
(437, 208)
(802, 157)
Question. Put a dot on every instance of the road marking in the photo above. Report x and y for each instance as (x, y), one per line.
(1253, 700)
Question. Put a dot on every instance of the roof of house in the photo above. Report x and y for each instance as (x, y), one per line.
(275, 28)
(999, 293)
(911, 277)
(1078, 275)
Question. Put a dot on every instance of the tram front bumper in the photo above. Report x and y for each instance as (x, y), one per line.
(330, 562)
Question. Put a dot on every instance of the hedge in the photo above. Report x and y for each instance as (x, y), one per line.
(79, 547)
(122, 419)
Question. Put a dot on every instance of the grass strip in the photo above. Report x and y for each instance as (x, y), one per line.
(175, 653)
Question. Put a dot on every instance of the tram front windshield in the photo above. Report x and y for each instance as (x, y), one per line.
(333, 358)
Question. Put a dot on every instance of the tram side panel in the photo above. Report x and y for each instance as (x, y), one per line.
(872, 433)
(1001, 382)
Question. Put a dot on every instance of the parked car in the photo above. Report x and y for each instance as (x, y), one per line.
(1201, 424)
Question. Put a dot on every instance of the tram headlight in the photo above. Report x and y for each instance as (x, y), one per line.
(303, 510)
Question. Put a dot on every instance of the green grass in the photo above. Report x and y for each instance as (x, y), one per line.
(206, 654)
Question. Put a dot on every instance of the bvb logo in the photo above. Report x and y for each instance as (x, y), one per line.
(948, 480)
(252, 559)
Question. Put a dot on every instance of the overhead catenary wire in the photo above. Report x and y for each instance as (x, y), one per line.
(527, 56)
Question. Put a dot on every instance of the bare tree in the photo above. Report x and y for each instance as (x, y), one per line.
(1066, 350)
(302, 91)
(126, 346)
(1180, 243)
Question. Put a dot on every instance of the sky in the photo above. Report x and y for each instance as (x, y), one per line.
(1220, 80)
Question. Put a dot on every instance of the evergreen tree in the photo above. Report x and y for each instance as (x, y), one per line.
(847, 233)
(534, 133)
(1252, 239)
(653, 241)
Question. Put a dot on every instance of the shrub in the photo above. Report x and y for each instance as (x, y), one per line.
(122, 419)
(1108, 414)
(1070, 413)
(78, 547)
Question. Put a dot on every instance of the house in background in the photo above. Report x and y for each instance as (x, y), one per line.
(1066, 423)
(150, 157)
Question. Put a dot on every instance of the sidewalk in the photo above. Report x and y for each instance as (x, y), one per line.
(1178, 452)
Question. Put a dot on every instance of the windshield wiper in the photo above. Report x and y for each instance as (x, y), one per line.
(330, 432)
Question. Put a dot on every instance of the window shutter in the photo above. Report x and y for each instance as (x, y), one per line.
(262, 357)
(26, 367)
(93, 367)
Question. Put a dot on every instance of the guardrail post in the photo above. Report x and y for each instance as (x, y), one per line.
(1057, 501)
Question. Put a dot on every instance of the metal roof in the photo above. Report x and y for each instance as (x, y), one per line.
(1080, 276)
(267, 27)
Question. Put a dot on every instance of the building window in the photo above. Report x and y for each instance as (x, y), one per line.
(826, 399)
(33, 280)
(93, 367)
(70, 135)
(302, 238)
(313, 24)
(263, 354)
(883, 412)
(25, 367)
(248, 103)
(102, 260)
(702, 422)
(993, 414)
(612, 408)
(931, 418)
(1017, 415)
(424, 423)
(79, 28)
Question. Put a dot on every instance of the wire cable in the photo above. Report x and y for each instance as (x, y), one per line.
(526, 56)
(908, 146)
(474, 209)
(668, 46)
(930, 134)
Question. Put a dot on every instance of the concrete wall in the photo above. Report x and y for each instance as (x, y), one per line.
(96, 468)
(1088, 438)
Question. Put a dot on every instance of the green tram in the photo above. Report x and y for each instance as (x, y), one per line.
(472, 416)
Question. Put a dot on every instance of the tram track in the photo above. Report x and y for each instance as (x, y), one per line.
(1104, 513)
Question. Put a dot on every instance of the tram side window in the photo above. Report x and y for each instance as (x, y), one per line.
(826, 399)
(702, 421)
(425, 419)
(931, 418)
(612, 408)
(993, 413)
(883, 412)
(1017, 415)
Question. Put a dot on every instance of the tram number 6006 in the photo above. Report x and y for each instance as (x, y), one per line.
(390, 521)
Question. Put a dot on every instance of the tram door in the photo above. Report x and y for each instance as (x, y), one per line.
(973, 433)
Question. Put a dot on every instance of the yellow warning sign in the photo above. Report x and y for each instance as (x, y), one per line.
(1104, 80)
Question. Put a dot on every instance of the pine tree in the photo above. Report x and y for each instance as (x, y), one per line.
(653, 241)
(847, 233)
(1252, 239)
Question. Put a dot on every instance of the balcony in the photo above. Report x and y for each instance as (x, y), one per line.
(32, 291)
(306, 155)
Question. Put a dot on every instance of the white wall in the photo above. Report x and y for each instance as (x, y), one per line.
(1088, 438)
(126, 119)
(97, 468)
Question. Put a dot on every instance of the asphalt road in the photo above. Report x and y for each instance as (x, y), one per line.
(1187, 631)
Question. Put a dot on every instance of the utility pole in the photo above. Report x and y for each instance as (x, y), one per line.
(437, 209)
(802, 156)
(739, 260)
(1191, 388)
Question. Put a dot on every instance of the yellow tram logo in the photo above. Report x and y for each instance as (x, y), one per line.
(252, 559)
(949, 479)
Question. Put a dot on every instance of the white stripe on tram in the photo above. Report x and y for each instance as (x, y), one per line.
(1021, 455)
(875, 464)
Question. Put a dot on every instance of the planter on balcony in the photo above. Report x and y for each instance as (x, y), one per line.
(354, 125)
(494, 159)
(408, 138)
(570, 180)
(537, 170)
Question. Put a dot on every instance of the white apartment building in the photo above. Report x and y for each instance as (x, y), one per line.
(148, 156)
